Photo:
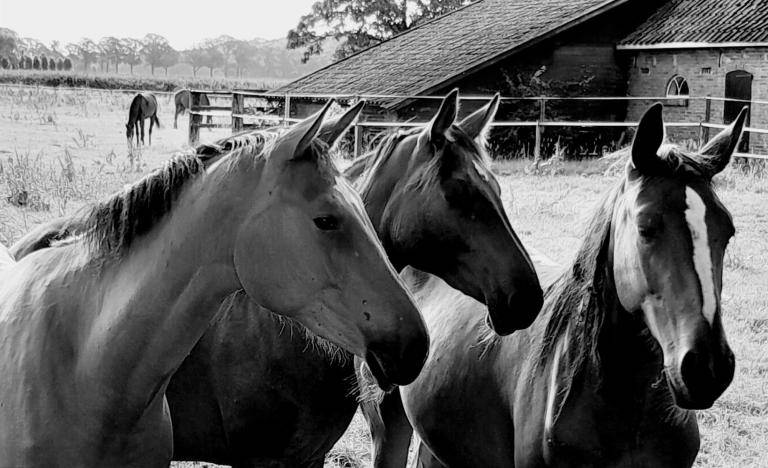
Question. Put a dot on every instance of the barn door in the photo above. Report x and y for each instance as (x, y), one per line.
(738, 85)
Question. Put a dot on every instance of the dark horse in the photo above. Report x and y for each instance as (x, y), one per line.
(435, 205)
(629, 341)
(183, 102)
(143, 106)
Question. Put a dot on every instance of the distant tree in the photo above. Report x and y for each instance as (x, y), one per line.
(227, 45)
(169, 59)
(197, 57)
(13, 61)
(36, 63)
(4, 63)
(86, 51)
(132, 52)
(112, 50)
(67, 64)
(44, 62)
(358, 24)
(8, 41)
(60, 64)
(155, 48)
(245, 55)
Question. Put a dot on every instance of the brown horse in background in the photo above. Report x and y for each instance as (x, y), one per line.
(143, 106)
(183, 101)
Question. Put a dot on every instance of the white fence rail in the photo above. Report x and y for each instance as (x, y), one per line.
(272, 109)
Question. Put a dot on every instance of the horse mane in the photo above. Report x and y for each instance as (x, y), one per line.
(365, 166)
(111, 226)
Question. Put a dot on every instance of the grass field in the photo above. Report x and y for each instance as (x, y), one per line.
(65, 148)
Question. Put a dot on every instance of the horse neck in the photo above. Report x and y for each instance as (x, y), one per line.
(159, 297)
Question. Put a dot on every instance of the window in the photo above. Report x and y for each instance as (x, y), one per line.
(706, 70)
(645, 71)
(677, 87)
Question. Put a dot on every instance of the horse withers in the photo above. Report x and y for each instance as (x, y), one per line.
(182, 100)
(143, 106)
(629, 341)
(92, 329)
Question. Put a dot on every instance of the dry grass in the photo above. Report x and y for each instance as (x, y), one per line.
(65, 148)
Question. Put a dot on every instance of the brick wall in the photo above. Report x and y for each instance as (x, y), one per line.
(663, 65)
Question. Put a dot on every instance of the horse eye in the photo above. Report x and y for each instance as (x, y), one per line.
(327, 223)
(648, 232)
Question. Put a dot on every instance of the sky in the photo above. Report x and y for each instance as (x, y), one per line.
(182, 22)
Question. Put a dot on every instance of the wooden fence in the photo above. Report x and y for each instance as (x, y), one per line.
(249, 109)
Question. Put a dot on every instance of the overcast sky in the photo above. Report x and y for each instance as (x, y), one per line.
(183, 22)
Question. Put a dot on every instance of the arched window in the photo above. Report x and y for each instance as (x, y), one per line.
(677, 86)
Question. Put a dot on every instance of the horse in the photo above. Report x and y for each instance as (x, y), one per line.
(92, 328)
(143, 106)
(628, 344)
(435, 204)
(183, 102)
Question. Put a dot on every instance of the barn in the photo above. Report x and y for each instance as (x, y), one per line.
(713, 48)
(564, 48)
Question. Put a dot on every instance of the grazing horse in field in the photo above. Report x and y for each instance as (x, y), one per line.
(183, 102)
(435, 204)
(143, 106)
(630, 338)
(92, 329)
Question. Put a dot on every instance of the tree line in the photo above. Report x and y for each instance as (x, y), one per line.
(110, 53)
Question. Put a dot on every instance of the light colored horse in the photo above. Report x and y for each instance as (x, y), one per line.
(92, 329)
(630, 338)
(434, 200)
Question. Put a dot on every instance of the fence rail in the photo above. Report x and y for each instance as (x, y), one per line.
(256, 109)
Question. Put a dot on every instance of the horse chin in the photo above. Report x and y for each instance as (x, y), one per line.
(378, 374)
(681, 395)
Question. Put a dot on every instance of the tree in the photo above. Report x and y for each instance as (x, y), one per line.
(208, 54)
(67, 65)
(86, 51)
(8, 41)
(155, 48)
(358, 24)
(245, 56)
(196, 56)
(112, 50)
(36, 63)
(169, 59)
(132, 52)
(44, 62)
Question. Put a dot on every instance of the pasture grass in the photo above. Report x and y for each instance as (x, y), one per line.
(66, 148)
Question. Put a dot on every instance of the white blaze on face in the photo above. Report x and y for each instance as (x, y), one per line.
(702, 259)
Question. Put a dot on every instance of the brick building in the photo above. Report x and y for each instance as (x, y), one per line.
(713, 48)
(566, 48)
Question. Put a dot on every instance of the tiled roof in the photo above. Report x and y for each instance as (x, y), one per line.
(696, 23)
(433, 53)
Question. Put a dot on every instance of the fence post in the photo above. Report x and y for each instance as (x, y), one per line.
(287, 113)
(542, 113)
(238, 109)
(358, 141)
(194, 118)
(707, 116)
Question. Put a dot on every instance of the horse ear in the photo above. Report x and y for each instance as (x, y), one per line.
(476, 124)
(720, 149)
(648, 140)
(332, 130)
(445, 117)
(306, 131)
